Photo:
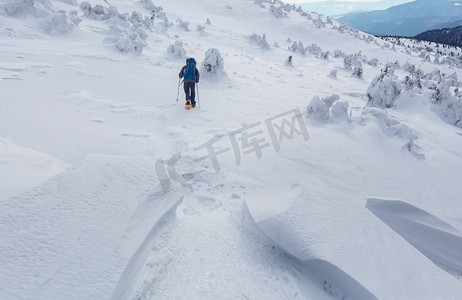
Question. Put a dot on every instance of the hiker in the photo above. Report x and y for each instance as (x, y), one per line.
(191, 77)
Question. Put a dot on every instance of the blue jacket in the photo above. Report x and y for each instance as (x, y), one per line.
(196, 73)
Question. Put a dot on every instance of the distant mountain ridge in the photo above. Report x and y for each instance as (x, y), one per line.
(448, 36)
(407, 19)
(336, 8)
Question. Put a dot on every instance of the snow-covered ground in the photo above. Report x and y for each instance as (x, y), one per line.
(324, 184)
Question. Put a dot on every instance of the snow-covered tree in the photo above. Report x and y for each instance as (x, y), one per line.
(318, 110)
(338, 53)
(213, 65)
(298, 47)
(373, 62)
(259, 41)
(61, 22)
(358, 72)
(339, 112)
(384, 89)
(333, 74)
(351, 61)
(329, 100)
(201, 30)
(97, 12)
(176, 50)
(183, 24)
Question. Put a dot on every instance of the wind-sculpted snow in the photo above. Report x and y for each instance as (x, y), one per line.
(436, 239)
(355, 242)
(21, 169)
(355, 254)
(73, 236)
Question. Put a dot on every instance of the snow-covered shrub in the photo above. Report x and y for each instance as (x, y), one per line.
(52, 21)
(358, 72)
(130, 43)
(411, 82)
(166, 23)
(69, 2)
(38, 9)
(176, 50)
(278, 12)
(318, 110)
(259, 41)
(74, 17)
(319, 23)
(338, 53)
(339, 112)
(333, 74)
(351, 61)
(373, 62)
(452, 80)
(201, 29)
(329, 100)
(324, 55)
(435, 75)
(314, 49)
(347, 64)
(384, 89)
(298, 48)
(97, 12)
(183, 24)
(141, 33)
(448, 107)
(127, 31)
(213, 65)
(157, 11)
(260, 3)
(137, 20)
(408, 67)
(441, 92)
(60, 22)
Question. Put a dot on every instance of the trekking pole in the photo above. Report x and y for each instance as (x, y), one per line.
(178, 92)
(198, 98)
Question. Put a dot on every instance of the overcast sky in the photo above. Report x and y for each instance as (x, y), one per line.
(328, 7)
(308, 1)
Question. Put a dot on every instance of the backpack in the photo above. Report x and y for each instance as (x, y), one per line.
(189, 72)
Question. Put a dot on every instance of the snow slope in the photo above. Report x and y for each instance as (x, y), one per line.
(89, 121)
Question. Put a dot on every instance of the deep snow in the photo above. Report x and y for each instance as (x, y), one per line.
(351, 201)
